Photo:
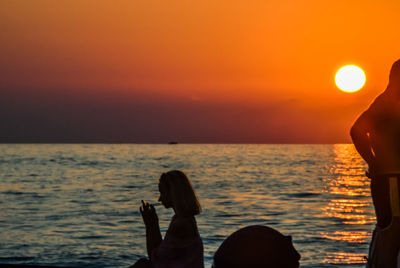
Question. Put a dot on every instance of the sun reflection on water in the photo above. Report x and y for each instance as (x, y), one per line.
(349, 236)
(348, 258)
(349, 204)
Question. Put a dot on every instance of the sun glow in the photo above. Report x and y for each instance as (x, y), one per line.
(350, 78)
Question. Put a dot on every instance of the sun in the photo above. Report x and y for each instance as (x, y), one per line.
(350, 78)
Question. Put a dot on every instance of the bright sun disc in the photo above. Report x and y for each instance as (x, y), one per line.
(350, 78)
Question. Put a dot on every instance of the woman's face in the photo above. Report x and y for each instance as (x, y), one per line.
(165, 197)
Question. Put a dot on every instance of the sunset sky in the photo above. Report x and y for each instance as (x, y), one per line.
(189, 71)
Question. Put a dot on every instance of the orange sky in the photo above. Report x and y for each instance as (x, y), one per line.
(272, 60)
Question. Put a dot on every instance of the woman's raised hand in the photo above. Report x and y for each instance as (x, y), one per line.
(149, 214)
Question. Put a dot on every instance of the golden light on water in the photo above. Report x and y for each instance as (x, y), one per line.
(349, 212)
(348, 258)
(350, 203)
(352, 237)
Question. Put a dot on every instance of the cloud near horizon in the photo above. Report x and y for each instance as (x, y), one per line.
(49, 116)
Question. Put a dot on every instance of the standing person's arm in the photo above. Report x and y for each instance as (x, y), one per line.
(153, 234)
(360, 135)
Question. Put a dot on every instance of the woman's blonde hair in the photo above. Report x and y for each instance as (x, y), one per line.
(182, 193)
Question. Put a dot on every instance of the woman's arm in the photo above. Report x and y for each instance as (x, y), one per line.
(360, 135)
(153, 234)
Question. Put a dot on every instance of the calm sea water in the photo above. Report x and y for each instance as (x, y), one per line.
(77, 205)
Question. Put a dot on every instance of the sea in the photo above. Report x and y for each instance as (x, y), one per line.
(78, 204)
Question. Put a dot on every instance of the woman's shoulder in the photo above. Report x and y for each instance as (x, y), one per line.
(183, 227)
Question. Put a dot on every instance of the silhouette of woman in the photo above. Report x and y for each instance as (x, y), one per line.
(182, 245)
(376, 136)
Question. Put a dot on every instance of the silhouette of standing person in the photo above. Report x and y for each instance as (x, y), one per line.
(182, 246)
(376, 136)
